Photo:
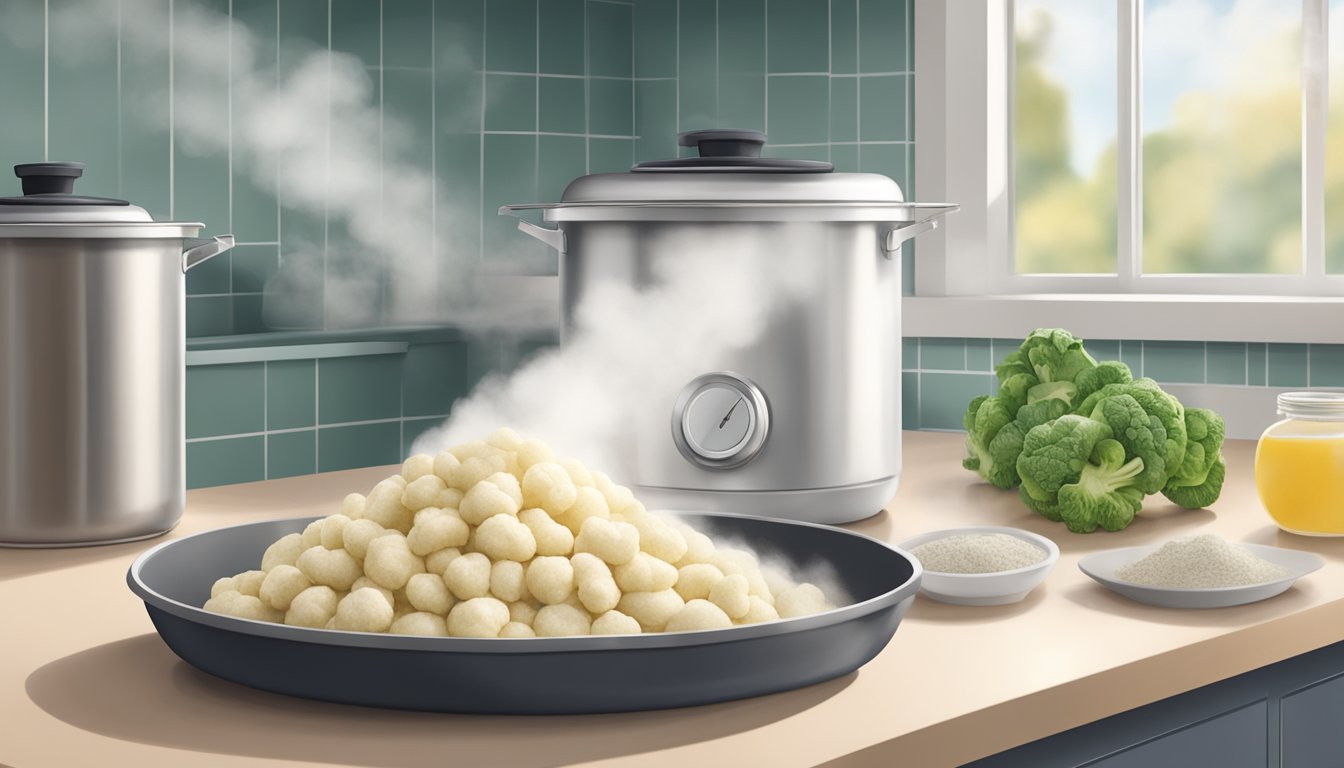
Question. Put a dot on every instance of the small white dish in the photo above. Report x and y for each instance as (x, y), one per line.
(1103, 565)
(996, 588)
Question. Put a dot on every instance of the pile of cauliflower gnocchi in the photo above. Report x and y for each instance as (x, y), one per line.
(499, 538)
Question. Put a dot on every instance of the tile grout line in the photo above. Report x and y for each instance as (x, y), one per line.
(317, 415)
(121, 165)
(172, 119)
(265, 410)
(480, 193)
(46, 80)
(434, 145)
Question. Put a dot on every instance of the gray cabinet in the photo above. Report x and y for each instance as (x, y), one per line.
(1311, 726)
(1237, 739)
(1285, 715)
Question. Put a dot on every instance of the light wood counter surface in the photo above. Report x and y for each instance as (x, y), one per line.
(84, 679)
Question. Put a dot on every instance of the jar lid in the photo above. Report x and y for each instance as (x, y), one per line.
(1312, 406)
(49, 198)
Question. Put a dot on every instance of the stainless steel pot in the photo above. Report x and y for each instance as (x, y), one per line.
(804, 422)
(92, 338)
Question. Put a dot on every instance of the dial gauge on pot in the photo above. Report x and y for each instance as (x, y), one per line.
(720, 420)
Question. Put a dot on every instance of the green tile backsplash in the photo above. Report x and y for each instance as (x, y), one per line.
(941, 375)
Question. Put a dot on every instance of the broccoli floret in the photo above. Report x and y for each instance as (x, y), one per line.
(1140, 433)
(1190, 485)
(1054, 454)
(1007, 444)
(1013, 391)
(1055, 355)
(1105, 493)
(1014, 363)
(983, 419)
(1047, 509)
(1157, 403)
(1202, 495)
(1093, 379)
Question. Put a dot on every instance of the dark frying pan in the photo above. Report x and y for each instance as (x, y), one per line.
(560, 675)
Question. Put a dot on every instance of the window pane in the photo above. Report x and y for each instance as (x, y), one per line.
(1222, 136)
(1064, 135)
(1334, 145)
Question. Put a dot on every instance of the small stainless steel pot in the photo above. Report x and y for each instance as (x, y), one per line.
(92, 338)
(804, 422)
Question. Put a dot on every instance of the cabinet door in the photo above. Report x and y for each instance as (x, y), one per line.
(1311, 726)
(1237, 739)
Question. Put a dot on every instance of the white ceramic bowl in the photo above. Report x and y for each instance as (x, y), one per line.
(997, 588)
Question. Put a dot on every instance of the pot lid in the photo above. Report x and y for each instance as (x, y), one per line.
(49, 198)
(730, 168)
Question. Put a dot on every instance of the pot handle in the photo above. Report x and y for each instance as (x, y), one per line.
(197, 250)
(897, 237)
(552, 237)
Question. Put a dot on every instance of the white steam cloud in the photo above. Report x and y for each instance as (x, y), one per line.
(629, 345)
(315, 135)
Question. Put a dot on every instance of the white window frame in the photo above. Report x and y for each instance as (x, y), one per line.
(965, 278)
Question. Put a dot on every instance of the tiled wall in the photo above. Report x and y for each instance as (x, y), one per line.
(546, 95)
(940, 376)
(825, 79)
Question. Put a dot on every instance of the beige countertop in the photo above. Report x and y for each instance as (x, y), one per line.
(85, 680)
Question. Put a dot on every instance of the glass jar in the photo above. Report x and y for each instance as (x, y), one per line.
(1299, 464)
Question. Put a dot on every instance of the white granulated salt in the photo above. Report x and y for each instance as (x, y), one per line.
(977, 553)
(1200, 562)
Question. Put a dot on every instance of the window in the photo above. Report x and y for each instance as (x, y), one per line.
(1133, 146)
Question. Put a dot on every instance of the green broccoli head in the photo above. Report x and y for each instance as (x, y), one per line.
(1007, 444)
(1157, 403)
(1140, 433)
(1055, 355)
(1093, 379)
(1202, 495)
(1054, 454)
(983, 420)
(1105, 493)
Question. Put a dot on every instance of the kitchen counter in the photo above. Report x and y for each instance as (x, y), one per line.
(84, 679)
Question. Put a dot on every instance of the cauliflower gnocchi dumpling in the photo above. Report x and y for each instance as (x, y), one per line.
(420, 623)
(364, 610)
(548, 486)
(437, 529)
(550, 579)
(696, 615)
(615, 623)
(478, 617)
(391, 563)
(504, 537)
(615, 543)
(313, 607)
(234, 603)
(282, 584)
(561, 620)
(468, 576)
(484, 501)
(552, 538)
(285, 551)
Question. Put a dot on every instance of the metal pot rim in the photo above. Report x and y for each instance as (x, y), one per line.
(109, 230)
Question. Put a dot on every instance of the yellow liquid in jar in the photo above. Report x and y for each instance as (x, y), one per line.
(1301, 481)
